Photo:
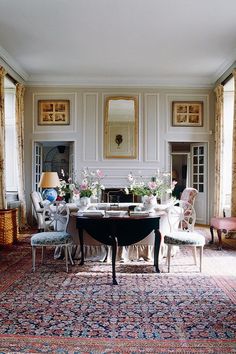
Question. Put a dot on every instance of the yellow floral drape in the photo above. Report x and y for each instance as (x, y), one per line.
(233, 194)
(219, 106)
(3, 201)
(20, 90)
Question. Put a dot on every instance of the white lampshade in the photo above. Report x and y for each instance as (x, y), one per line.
(49, 180)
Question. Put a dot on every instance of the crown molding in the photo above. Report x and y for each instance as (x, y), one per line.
(190, 82)
(12, 64)
(226, 65)
(207, 82)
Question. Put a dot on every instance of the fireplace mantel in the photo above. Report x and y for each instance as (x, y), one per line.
(118, 195)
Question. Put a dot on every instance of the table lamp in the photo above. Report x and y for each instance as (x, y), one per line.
(49, 181)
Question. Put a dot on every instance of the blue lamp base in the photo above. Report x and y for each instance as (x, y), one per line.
(49, 194)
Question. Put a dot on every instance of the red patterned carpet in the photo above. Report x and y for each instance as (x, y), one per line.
(51, 311)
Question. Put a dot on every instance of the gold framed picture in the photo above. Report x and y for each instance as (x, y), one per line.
(53, 112)
(121, 127)
(187, 114)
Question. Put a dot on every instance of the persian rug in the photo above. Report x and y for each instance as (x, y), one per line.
(51, 311)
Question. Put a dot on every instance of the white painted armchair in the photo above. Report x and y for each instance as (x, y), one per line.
(37, 202)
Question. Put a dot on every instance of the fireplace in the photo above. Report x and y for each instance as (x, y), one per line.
(118, 195)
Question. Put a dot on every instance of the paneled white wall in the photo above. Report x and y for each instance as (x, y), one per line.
(151, 128)
(90, 127)
(87, 121)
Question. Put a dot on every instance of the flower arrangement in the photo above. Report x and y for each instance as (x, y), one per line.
(90, 185)
(66, 187)
(156, 186)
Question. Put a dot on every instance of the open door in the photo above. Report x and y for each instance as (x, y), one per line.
(199, 178)
(52, 156)
(38, 165)
(180, 168)
(189, 161)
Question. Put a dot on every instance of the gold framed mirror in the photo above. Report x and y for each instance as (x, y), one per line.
(121, 127)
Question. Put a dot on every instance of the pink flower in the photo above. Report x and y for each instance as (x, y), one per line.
(100, 173)
(84, 186)
(152, 185)
(76, 191)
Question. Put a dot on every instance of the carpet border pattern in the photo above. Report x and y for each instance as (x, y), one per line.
(42, 344)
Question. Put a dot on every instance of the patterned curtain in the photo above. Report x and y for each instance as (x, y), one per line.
(219, 105)
(3, 201)
(233, 194)
(20, 90)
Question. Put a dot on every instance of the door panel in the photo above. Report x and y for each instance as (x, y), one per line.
(199, 165)
(38, 163)
(71, 160)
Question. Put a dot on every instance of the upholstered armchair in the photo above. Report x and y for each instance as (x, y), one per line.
(37, 202)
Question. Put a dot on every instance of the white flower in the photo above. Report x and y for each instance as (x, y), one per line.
(85, 181)
(130, 177)
(126, 190)
(85, 173)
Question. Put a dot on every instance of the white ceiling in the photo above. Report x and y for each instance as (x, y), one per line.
(119, 42)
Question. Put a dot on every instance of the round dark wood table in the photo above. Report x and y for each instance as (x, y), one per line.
(120, 231)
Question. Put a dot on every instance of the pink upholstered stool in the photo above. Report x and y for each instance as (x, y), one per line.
(222, 225)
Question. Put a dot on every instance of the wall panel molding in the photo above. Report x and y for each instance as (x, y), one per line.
(151, 127)
(187, 97)
(71, 128)
(90, 126)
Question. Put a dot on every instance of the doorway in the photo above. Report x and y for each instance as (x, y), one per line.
(55, 156)
(189, 165)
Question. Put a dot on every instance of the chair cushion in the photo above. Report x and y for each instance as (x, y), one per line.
(51, 238)
(185, 238)
(228, 223)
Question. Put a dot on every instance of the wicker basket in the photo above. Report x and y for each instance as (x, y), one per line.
(8, 226)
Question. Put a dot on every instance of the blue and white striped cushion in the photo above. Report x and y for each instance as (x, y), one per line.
(51, 238)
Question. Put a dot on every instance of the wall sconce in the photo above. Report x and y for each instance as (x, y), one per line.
(49, 181)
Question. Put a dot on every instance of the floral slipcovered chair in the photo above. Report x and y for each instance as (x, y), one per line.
(189, 195)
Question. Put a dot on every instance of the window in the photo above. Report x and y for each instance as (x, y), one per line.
(228, 140)
(10, 146)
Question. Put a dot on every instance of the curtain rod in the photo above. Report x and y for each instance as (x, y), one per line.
(227, 79)
(14, 81)
(8, 66)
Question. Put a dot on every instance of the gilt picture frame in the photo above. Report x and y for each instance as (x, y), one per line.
(53, 112)
(121, 127)
(187, 113)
